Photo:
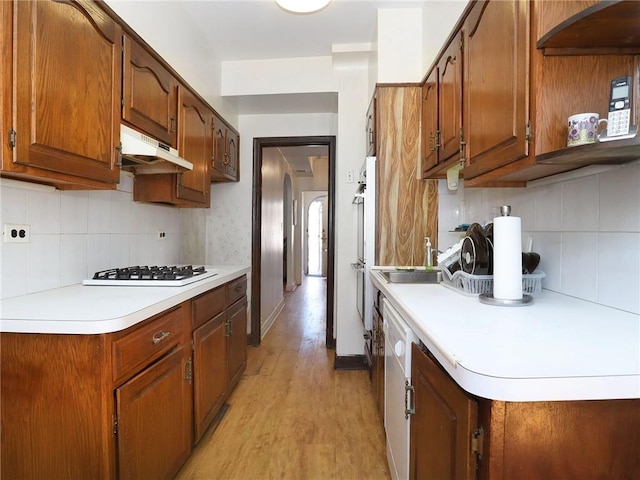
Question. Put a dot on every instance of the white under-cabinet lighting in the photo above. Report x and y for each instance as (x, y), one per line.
(303, 6)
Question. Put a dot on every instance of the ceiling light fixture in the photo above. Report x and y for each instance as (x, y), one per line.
(303, 6)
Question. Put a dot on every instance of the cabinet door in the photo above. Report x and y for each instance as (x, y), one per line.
(450, 101)
(67, 90)
(430, 121)
(233, 156)
(209, 372)
(195, 145)
(149, 93)
(441, 428)
(496, 88)
(218, 155)
(236, 341)
(154, 419)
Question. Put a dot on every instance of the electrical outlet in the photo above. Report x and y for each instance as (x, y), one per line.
(162, 235)
(14, 233)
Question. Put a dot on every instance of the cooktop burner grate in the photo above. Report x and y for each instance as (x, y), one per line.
(150, 276)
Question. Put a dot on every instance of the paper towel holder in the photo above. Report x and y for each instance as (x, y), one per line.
(489, 299)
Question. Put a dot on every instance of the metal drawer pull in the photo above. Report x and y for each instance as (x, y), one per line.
(238, 288)
(410, 408)
(160, 336)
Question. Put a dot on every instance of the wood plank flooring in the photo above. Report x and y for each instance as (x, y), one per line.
(292, 416)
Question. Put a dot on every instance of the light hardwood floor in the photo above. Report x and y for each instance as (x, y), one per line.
(292, 416)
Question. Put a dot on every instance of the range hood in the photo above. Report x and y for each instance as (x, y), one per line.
(142, 154)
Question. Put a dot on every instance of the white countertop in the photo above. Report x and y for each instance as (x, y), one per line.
(557, 348)
(85, 309)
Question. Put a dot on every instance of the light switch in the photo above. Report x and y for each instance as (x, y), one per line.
(350, 175)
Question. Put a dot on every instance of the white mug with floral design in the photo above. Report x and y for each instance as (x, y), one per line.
(583, 128)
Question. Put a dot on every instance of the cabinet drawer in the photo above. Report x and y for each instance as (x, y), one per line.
(207, 306)
(236, 289)
(144, 345)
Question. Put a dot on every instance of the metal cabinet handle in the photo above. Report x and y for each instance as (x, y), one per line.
(160, 336)
(188, 371)
(410, 406)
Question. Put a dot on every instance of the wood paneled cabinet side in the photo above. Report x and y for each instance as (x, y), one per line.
(149, 93)
(407, 206)
(63, 128)
(496, 85)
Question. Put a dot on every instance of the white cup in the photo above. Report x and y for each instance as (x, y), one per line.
(583, 128)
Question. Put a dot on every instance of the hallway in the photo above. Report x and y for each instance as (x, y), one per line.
(292, 416)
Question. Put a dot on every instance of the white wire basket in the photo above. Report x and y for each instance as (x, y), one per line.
(478, 284)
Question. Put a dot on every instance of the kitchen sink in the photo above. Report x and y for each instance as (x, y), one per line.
(412, 276)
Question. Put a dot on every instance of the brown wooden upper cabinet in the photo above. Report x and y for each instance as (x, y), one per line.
(195, 144)
(528, 66)
(225, 155)
(149, 93)
(63, 120)
(496, 85)
(442, 111)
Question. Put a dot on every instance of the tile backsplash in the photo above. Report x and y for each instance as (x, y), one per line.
(76, 233)
(584, 225)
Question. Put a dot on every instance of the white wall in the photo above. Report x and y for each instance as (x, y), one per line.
(399, 45)
(586, 230)
(438, 19)
(76, 233)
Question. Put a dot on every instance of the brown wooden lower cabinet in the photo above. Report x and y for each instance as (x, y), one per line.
(123, 405)
(154, 419)
(210, 372)
(455, 435)
(236, 341)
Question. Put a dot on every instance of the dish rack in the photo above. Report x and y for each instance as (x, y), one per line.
(478, 284)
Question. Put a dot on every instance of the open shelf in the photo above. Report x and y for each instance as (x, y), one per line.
(599, 153)
(608, 27)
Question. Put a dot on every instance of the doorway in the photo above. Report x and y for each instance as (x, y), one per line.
(259, 144)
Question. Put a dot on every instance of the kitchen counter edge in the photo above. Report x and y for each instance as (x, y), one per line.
(87, 310)
(523, 389)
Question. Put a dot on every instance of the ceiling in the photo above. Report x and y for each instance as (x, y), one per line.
(259, 29)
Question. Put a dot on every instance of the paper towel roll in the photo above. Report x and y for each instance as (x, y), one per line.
(507, 258)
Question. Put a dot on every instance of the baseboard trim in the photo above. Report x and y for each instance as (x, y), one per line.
(268, 323)
(350, 362)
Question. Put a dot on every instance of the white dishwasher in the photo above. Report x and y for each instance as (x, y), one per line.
(397, 371)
